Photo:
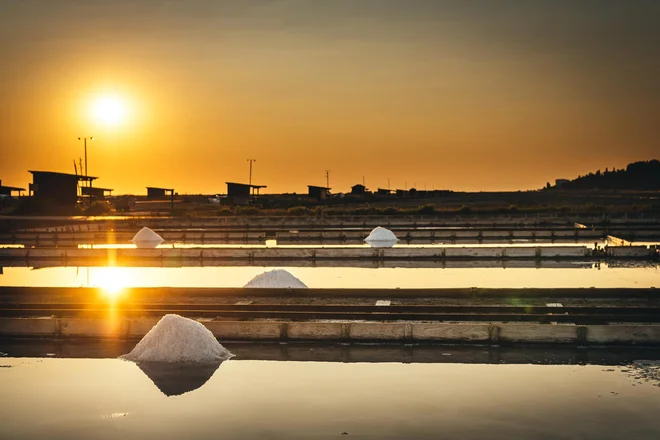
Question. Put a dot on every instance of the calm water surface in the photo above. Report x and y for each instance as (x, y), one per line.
(240, 399)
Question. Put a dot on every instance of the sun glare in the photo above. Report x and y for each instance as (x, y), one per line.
(109, 110)
(111, 280)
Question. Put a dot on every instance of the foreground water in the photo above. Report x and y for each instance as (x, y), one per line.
(249, 399)
(572, 274)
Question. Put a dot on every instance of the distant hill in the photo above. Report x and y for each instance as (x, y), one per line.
(641, 176)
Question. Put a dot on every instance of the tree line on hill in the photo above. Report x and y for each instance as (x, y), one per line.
(642, 176)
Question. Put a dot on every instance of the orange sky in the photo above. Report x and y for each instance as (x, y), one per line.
(466, 95)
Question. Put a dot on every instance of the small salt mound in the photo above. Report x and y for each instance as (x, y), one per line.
(278, 278)
(381, 237)
(178, 339)
(147, 238)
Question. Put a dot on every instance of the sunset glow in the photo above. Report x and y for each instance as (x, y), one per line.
(398, 92)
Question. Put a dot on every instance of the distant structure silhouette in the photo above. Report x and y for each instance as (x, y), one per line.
(358, 189)
(241, 193)
(318, 192)
(58, 188)
(8, 190)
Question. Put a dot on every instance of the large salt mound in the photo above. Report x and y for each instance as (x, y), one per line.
(146, 238)
(178, 339)
(278, 278)
(381, 237)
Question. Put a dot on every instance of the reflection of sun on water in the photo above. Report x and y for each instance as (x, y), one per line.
(111, 279)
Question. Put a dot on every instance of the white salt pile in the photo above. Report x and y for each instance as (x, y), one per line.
(381, 237)
(147, 238)
(278, 278)
(381, 234)
(178, 339)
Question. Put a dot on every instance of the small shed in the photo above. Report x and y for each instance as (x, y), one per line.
(241, 193)
(358, 189)
(318, 192)
(159, 193)
(61, 188)
(8, 190)
(96, 193)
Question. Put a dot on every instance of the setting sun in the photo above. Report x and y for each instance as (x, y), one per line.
(109, 110)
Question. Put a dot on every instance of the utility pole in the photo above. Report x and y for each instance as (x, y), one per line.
(363, 181)
(388, 183)
(81, 169)
(251, 160)
(327, 178)
(84, 139)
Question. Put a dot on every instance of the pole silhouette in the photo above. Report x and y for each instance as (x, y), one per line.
(250, 181)
(84, 139)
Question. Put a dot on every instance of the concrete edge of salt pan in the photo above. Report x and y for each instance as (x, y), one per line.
(276, 278)
(381, 243)
(380, 234)
(147, 238)
(178, 339)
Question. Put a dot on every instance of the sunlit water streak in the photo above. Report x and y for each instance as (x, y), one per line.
(591, 275)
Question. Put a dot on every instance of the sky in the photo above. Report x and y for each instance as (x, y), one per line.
(469, 95)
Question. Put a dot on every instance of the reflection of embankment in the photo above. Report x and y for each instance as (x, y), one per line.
(348, 353)
(174, 379)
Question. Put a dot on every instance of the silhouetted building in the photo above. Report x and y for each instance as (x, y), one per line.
(96, 193)
(401, 192)
(560, 183)
(383, 191)
(60, 188)
(441, 192)
(241, 193)
(358, 189)
(159, 193)
(7, 190)
(318, 192)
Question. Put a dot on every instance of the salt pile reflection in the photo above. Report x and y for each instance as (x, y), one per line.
(178, 354)
(174, 379)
